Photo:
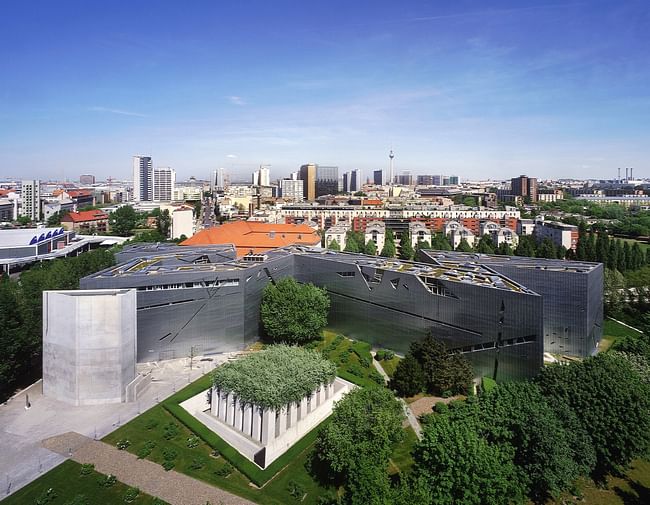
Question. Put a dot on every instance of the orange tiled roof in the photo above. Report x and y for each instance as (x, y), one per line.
(258, 237)
(83, 216)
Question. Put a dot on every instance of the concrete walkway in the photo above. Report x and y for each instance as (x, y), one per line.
(24, 459)
(410, 417)
(173, 487)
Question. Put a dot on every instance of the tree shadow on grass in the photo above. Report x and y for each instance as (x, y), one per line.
(640, 496)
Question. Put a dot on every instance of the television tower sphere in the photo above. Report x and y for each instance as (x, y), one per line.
(391, 155)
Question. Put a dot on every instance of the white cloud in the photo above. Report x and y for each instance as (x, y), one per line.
(236, 100)
(116, 111)
(233, 156)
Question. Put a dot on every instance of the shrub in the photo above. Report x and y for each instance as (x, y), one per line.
(296, 490)
(488, 384)
(169, 454)
(215, 453)
(448, 393)
(146, 449)
(388, 355)
(170, 430)
(123, 444)
(365, 362)
(46, 497)
(408, 379)
(131, 494)
(168, 465)
(151, 424)
(225, 470)
(87, 469)
(107, 480)
(375, 376)
(441, 408)
(158, 501)
(344, 357)
(355, 369)
(197, 463)
(193, 442)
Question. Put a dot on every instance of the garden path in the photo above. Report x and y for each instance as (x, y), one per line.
(173, 487)
(413, 421)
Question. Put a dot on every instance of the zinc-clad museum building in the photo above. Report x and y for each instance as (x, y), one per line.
(204, 300)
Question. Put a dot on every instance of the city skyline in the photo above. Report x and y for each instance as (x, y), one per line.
(460, 89)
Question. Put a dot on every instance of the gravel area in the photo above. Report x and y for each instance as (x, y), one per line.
(173, 487)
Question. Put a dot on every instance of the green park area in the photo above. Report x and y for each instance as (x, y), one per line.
(73, 484)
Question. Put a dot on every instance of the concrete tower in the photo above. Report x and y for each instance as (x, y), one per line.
(391, 175)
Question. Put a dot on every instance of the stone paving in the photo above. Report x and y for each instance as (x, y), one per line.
(173, 487)
(23, 458)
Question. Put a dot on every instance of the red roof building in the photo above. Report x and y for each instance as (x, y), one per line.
(87, 221)
(251, 236)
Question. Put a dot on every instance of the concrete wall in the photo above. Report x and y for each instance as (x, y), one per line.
(89, 345)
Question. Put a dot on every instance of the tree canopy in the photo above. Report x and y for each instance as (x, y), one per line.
(293, 313)
(356, 444)
(275, 377)
(123, 220)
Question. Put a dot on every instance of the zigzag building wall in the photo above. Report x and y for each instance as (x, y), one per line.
(192, 301)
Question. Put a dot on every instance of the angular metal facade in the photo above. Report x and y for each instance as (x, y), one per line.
(572, 292)
(214, 307)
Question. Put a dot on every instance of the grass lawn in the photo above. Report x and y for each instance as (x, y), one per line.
(389, 365)
(631, 241)
(153, 427)
(631, 489)
(401, 459)
(353, 359)
(67, 483)
(612, 331)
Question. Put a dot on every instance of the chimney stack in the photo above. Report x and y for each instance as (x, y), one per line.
(632, 173)
(619, 175)
(627, 177)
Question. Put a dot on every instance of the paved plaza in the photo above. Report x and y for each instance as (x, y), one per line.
(23, 430)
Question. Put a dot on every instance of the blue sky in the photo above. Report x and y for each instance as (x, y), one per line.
(477, 88)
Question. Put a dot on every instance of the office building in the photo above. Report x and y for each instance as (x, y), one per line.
(291, 190)
(218, 182)
(356, 183)
(142, 179)
(31, 199)
(262, 177)
(86, 179)
(378, 177)
(572, 294)
(308, 178)
(327, 180)
(525, 187)
(404, 179)
(164, 183)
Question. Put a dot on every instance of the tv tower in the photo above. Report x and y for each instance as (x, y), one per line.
(391, 177)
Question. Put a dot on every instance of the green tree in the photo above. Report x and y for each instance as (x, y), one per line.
(611, 402)
(334, 245)
(356, 443)
(505, 249)
(485, 244)
(546, 249)
(440, 242)
(408, 379)
(526, 246)
(464, 246)
(443, 371)
(293, 313)
(164, 223)
(517, 414)
(371, 248)
(421, 245)
(621, 255)
(388, 251)
(354, 242)
(122, 221)
(463, 468)
(406, 251)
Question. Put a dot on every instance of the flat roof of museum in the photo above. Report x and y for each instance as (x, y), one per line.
(173, 261)
(556, 265)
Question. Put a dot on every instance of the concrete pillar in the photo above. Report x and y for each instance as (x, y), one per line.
(257, 423)
(302, 410)
(214, 405)
(223, 402)
(268, 426)
(238, 414)
(317, 398)
(283, 421)
(293, 415)
(310, 402)
(231, 408)
(327, 391)
(248, 419)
